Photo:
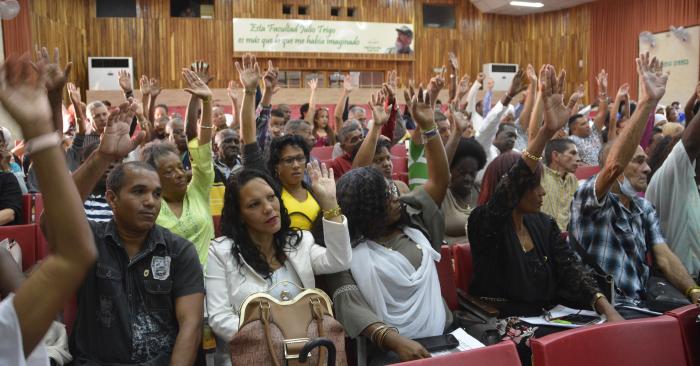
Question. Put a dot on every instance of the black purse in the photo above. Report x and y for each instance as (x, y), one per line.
(606, 283)
(662, 296)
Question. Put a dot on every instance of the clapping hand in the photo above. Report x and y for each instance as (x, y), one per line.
(249, 72)
(322, 184)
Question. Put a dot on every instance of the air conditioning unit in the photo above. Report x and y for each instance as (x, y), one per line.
(502, 75)
(103, 71)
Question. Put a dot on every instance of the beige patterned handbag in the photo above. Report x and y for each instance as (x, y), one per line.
(272, 332)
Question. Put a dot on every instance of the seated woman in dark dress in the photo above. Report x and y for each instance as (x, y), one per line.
(521, 262)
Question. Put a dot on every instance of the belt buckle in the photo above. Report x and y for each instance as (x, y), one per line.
(287, 342)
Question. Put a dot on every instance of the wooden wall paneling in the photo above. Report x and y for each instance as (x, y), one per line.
(16, 33)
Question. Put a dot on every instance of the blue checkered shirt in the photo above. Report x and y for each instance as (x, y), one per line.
(618, 238)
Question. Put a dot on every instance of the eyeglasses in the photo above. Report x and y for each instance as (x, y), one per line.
(289, 161)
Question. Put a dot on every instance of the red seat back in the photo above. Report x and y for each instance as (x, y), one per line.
(399, 151)
(25, 235)
(70, 312)
(587, 171)
(639, 342)
(322, 152)
(400, 164)
(38, 207)
(447, 278)
(463, 265)
(501, 354)
(27, 204)
(687, 317)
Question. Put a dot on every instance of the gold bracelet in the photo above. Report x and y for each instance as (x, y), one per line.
(250, 92)
(596, 297)
(206, 100)
(692, 289)
(332, 213)
(373, 336)
(206, 127)
(531, 157)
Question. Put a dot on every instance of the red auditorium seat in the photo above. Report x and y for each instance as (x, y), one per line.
(447, 278)
(322, 152)
(399, 151)
(587, 171)
(640, 342)
(501, 354)
(463, 266)
(687, 317)
(400, 164)
(27, 204)
(38, 203)
(25, 235)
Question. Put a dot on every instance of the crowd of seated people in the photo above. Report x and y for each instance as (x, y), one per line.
(134, 198)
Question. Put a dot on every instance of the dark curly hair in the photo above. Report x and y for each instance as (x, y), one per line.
(362, 196)
(498, 169)
(278, 144)
(469, 148)
(285, 240)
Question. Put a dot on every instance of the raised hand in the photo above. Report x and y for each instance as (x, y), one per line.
(124, 78)
(454, 63)
(480, 77)
(436, 84)
(270, 78)
(197, 86)
(463, 87)
(73, 94)
(461, 121)
(652, 79)
(602, 81)
(24, 96)
(555, 113)
(408, 96)
(155, 87)
(379, 114)
(391, 85)
(623, 91)
(313, 84)
(489, 84)
(115, 142)
(249, 72)
(421, 109)
(54, 76)
(531, 74)
(144, 85)
(518, 84)
(232, 92)
(577, 95)
(322, 184)
(201, 68)
(347, 84)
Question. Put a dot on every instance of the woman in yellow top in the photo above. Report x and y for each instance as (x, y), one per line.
(185, 208)
(288, 157)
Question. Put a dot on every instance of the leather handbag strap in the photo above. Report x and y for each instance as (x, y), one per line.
(265, 317)
(318, 316)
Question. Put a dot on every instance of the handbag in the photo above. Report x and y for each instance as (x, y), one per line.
(271, 331)
(606, 283)
(661, 296)
(14, 248)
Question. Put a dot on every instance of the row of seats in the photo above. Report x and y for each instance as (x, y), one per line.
(399, 159)
(28, 235)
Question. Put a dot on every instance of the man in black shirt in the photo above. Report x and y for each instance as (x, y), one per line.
(142, 303)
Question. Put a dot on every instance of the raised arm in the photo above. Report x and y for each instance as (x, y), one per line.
(43, 295)
(155, 91)
(124, 79)
(313, 84)
(198, 88)
(80, 118)
(459, 122)
(270, 84)
(54, 79)
(575, 100)
(530, 96)
(438, 170)
(249, 72)
(454, 73)
(191, 116)
(652, 83)
(462, 90)
(603, 100)
(145, 88)
(380, 115)
(340, 106)
(621, 96)
(470, 101)
(691, 137)
(690, 105)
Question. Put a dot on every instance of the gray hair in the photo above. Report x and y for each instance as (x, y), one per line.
(356, 109)
(294, 125)
(347, 129)
(92, 106)
(115, 179)
(154, 150)
(7, 137)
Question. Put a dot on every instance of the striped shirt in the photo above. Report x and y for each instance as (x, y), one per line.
(560, 193)
(417, 165)
(97, 209)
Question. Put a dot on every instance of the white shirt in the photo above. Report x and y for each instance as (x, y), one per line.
(673, 192)
(11, 348)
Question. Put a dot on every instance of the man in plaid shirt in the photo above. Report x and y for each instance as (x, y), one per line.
(616, 226)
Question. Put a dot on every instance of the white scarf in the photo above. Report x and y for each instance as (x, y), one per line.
(401, 296)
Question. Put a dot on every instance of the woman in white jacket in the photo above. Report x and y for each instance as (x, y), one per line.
(260, 252)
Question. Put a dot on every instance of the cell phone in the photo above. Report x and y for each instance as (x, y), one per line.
(577, 319)
(438, 343)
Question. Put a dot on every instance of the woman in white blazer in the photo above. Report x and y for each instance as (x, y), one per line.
(259, 252)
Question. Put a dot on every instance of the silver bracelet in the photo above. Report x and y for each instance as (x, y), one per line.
(42, 142)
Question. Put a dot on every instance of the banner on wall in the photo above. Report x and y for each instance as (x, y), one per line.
(681, 58)
(290, 35)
